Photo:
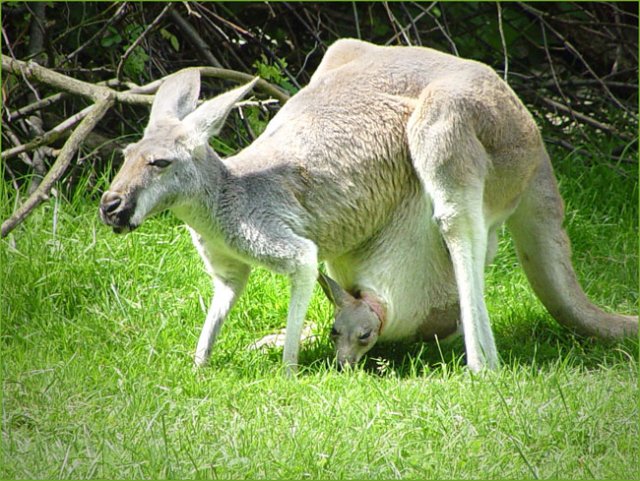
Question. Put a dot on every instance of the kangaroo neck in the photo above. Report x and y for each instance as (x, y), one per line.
(377, 306)
(204, 207)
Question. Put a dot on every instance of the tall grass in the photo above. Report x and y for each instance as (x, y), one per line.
(98, 333)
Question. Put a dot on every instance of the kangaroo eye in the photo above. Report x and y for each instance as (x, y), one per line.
(334, 332)
(365, 336)
(162, 163)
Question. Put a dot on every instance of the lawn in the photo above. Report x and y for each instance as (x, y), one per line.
(98, 333)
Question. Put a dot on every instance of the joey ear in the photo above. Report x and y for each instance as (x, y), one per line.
(177, 96)
(336, 294)
(208, 119)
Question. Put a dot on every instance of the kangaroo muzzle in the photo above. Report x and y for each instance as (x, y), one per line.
(116, 212)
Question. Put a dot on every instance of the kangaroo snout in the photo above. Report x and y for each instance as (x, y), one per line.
(110, 202)
(115, 213)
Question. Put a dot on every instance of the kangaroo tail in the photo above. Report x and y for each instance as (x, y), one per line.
(545, 254)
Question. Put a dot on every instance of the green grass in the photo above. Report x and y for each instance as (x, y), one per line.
(98, 333)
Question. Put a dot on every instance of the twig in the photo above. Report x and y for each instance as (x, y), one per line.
(313, 32)
(555, 77)
(584, 118)
(577, 82)
(269, 53)
(52, 99)
(34, 107)
(114, 18)
(48, 137)
(195, 38)
(504, 42)
(569, 146)
(24, 77)
(37, 32)
(246, 124)
(356, 19)
(16, 141)
(99, 109)
(411, 24)
(575, 51)
(394, 22)
(132, 47)
(441, 27)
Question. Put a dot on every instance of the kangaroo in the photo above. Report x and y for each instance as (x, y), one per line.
(393, 163)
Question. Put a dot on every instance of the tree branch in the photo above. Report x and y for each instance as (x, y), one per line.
(195, 38)
(48, 137)
(94, 92)
(98, 110)
(226, 74)
(132, 47)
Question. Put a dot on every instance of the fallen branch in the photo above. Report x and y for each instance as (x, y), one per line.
(48, 137)
(34, 107)
(33, 71)
(225, 74)
(41, 194)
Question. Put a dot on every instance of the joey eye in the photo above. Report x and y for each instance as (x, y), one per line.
(365, 336)
(162, 163)
(334, 332)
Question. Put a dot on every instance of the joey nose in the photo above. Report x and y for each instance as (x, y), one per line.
(345, 364)
(110, 202)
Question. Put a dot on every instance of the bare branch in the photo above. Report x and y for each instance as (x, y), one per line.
(226, 74)
(41, 194)
(133, 46)
(503, 41)
(195, 38)
(34, 71)
(585, 118)
(48, 137)
(540, 15)
(34, 107)
(16, 141)
(114, 18)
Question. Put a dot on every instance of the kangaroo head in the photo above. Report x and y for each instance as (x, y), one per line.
(357, 323)
(162, 169)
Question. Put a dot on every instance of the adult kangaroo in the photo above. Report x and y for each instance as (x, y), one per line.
(395, 165)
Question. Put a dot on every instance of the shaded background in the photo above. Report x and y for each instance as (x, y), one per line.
(574, 64)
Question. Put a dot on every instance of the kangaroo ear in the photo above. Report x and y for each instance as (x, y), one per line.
(177, 96)
(336, 294)
(208, 119)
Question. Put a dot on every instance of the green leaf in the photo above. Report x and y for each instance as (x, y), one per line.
(173, 40)
(135, 63)
(112, 38)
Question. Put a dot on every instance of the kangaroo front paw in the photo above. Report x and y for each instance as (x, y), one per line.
(481, 364)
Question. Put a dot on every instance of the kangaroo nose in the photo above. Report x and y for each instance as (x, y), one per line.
(110, 202)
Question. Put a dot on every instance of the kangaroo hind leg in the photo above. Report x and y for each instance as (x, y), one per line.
(452, 166)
